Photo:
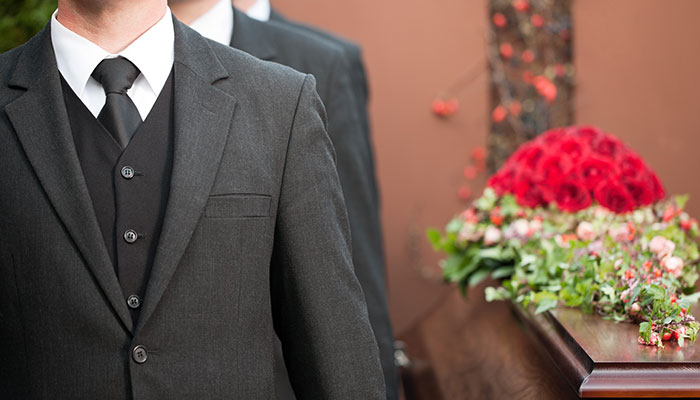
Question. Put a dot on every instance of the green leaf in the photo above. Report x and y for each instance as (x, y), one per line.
(645, 330)
(693, 298)
(502, 272)
(546, 304)
(435, 238)
(478, 277)
(455, 225)
(682, 200)
(681, 340)
(493, 294)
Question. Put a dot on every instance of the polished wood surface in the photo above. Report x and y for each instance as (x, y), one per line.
(602, 359)
(470, 349)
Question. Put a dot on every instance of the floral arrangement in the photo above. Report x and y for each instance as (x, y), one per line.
(575, 217)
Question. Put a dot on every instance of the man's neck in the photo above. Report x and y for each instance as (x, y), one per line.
(113, 25)
(188, 10)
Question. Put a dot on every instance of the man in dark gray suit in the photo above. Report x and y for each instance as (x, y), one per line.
(171, 204)
(347, 129)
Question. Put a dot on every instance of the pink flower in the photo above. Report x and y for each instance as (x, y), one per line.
(619, 233)
(585, 231)
(661, 246)
(492, 236)
(673, 265)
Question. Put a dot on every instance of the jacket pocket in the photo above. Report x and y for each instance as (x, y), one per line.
(238, 206)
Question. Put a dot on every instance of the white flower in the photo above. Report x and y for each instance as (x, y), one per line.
(585, 231)
(673, 265)
(522, 227)
(492, 236)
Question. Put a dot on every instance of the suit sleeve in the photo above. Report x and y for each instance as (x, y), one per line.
(355, 170)
(318, 306)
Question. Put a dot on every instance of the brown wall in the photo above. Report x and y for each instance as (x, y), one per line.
(638, 64)
(637, 61)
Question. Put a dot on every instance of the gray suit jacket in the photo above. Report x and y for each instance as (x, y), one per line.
(326, 61)
(368, 254)
(254, 240)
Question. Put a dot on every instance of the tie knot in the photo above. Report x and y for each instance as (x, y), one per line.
(116, 75)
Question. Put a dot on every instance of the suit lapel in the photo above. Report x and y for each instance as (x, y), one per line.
(40, 120)
(251, 36)
(203, 116)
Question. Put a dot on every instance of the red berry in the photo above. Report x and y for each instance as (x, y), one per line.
(521, 5)
(479, 154)
(499, 114)
(537, 20)
(686, 225)
(667, 336)
(464, 193)
(673, 298)
(657, 272)
(439, 107)
(506, 50)
(499, 20)
(528, 56)
(470, 172)
(668, 213)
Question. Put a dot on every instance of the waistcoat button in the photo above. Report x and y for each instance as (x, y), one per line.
(128, 172)
(130, 236)
(133, 301)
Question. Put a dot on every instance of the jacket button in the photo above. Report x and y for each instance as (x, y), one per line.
(128, 172)
(139, 354)
(130, 236)
(133, 301)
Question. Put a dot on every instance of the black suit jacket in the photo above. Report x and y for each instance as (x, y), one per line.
(358, 76)
(255, 236)
(327, 62)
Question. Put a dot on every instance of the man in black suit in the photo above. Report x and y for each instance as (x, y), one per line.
(347, 129)
(172, 203)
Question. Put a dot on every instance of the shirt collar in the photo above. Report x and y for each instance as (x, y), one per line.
(153, 53)
(217, 23)
(260, 10)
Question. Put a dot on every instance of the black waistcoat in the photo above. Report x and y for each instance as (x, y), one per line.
(129, 188)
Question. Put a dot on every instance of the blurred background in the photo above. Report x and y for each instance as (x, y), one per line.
(629, 67)
(636, 64)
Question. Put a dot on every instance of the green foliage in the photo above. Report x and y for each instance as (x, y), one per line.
(20, 20)
(594, 260)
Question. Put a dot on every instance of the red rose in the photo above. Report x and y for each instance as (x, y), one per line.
(614, 196)
(528, 194)
(572, 196)
(502, 182)
(631, 166)
(607, 146)
(553, 168)
(642, 192)
(588, 133)
(595, 169)
(529, 155)
(658, 188)
(573, 147)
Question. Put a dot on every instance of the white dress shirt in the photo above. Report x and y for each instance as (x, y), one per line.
(217, 23)
(152, 53)
(260, 10)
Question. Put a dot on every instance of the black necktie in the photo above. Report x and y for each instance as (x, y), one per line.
(119, 114)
